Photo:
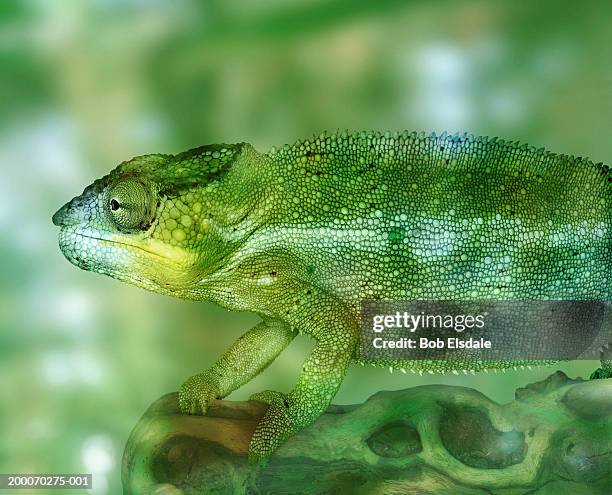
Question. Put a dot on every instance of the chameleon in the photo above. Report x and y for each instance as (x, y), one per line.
(301, 234)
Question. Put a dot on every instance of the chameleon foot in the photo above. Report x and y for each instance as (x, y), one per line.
(196, 394)
(274, 428)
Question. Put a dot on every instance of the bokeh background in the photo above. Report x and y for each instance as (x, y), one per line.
(85, 85)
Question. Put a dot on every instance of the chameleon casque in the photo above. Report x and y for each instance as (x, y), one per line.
(302, 234)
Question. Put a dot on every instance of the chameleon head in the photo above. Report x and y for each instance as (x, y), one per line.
(146, 223)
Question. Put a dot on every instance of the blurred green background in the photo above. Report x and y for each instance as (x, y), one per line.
(86, 85)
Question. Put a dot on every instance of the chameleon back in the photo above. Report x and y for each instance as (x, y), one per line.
(373, 216)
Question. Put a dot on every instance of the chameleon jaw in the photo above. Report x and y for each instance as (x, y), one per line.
(148, 263)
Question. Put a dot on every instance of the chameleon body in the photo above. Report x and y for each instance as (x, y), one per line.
(302, 234)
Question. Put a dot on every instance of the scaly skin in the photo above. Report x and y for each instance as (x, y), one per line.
(301, 235)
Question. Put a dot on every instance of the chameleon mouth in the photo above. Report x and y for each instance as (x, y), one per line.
(121, 260)
(98, 253)
(94, 253)
(120, 243)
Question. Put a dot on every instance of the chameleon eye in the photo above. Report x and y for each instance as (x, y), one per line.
(132, 205)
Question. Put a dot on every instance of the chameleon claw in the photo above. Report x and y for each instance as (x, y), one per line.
(277, 424)
(196, 394)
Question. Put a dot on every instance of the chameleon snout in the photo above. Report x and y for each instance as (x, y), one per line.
(61, 217)
(74, 212)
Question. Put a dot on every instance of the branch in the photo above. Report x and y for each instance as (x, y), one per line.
(554, 438)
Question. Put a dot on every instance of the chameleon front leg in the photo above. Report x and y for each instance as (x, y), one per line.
(245, 359)
(320, 378)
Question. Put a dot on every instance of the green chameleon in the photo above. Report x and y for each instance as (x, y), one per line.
(302, 234)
